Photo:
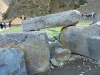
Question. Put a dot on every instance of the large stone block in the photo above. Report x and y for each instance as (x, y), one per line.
(82, 40)
(12, 62)
(35, 47)
(65, 18)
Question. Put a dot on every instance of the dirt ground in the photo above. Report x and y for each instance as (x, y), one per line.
(76, 67)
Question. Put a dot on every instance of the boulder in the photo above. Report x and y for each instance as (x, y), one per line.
(12, 62)
(65, 18)
(82, 40)
(35, 47)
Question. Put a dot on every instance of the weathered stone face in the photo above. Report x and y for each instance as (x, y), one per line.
(34, 45)
(12, 62)
(62, 55)
(82, 40)
(65, 18)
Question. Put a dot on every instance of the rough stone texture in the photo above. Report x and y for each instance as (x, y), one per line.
(12, 62)
(35, 46)
(59, 56)
(62, 55)
(51, 38)
(54, 62)
(82, 40)
(65, 18)
(53, 45)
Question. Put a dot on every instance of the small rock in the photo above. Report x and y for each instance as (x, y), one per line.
(52, 67)
(54, 62)
(62, 55)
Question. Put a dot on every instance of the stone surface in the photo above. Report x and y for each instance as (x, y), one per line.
(59, 56)
(65, 18)
(62, 55)
(35, 47)
(82, 40)
(53, 45)
(54, 62)
(12, 62)
(51, 38)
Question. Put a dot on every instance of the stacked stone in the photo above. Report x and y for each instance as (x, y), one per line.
(35, 44)
(35, 48)
(74, 39)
